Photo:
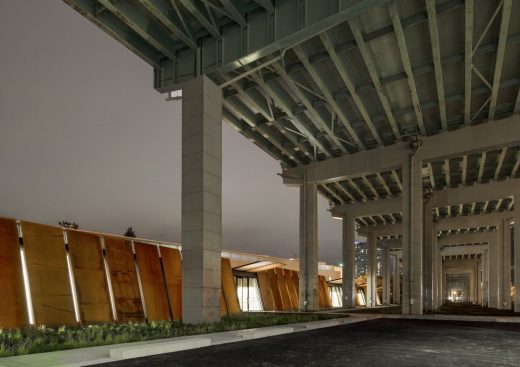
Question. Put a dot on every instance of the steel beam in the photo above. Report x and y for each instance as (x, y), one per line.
(287, 106)
(234, 12)
(374, 76)
(303, 34)
(500, 161)
(468, 57)
(499, 62)
(162, 12)
(403, 50)
(314, 116)
(192, 7)
(254, 137)
(330, 100)
(266, 4)
(434, 37)
(146, 29)
(118, 31)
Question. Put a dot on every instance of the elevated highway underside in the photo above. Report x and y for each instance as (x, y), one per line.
(404, 114)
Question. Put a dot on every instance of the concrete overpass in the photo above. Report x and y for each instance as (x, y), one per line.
(362, 101)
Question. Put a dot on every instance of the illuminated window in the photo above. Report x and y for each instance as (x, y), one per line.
(249, 294)
(336, 295)
(361, 298)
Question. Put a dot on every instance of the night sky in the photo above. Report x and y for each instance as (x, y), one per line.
(84, 137)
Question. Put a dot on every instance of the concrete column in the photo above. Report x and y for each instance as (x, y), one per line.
(386, 276)
(428, 257)
(516, 238)
(485, 278)
(506, 289)
(436, 270)
(442, 283)
(201, 200)
(500, 260)
(412, 237)
(493, 269)
(309, 247)
(396, 292)
(474, 282)
(479, 283)
(348, 256)
(372, 271)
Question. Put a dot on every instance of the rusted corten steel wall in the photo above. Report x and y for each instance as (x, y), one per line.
(13, 309)
(172, 266)
(89, 274)
(51, 291)
(229, 296)
(153, 282)
(125, 285)
(84, 277)
(279, 290)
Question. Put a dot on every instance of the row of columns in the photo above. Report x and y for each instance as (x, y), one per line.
(202, 226)
(422, 276)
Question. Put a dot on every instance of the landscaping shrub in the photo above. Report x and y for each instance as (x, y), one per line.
(38, 339)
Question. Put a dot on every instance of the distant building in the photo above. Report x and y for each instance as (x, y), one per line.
(361, 259)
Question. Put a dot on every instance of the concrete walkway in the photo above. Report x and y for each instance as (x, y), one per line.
(112, 353)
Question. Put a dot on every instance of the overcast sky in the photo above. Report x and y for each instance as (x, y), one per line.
(85, 137)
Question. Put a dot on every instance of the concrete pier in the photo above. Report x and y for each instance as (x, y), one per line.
(201, 200)
(309, 247)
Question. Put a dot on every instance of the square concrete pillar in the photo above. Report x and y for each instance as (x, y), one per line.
(516, 238)
(436, 272)
(372, 271)
(201, 200)
(506, 255)
(428, 257)
(501, 265)
(480, 283)
(348, 256)
(493, 273)
(396, 282)
(412, 237)
(485, 277)
(386, 269)
(309, 247)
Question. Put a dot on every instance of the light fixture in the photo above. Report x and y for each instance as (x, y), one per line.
(175, 95)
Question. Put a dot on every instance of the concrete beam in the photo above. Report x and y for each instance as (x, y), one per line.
(475, 193)
(374, 207)
(466, 238)
(463, 250)
(441, 198)
(468, 140)
(472, 221)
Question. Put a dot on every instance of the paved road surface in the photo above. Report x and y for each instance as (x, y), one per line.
(381, 342)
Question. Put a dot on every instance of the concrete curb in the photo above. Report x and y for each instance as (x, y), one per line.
(111, 353)
(158, 348)
(265, 332)
(507, 319)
